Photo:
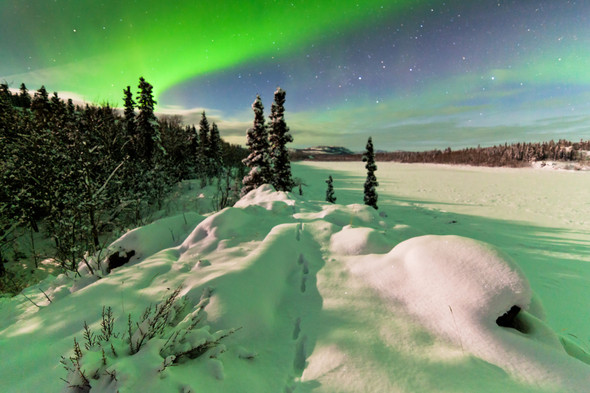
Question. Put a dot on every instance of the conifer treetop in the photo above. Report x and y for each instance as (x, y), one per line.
(330, 190)
(258, 160)
(279, 136)
(370, 193)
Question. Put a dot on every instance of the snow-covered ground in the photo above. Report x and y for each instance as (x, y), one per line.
(335, 298)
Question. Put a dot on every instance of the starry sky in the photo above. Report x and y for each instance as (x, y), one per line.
(414, 75)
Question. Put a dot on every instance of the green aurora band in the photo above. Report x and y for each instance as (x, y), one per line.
(515, 73)
(96, 49)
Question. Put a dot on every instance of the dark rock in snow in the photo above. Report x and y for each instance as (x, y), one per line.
(510, 320)
(115, 260)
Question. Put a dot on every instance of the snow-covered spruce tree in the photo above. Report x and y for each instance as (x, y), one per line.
(194, 149)
(8, 220)
(278, 137)
(58, 110)
(147, 124)
(204, 131)
(24, 97)
(215, 152)
(6, 118)
(71, 110)
(130, 124)
(150, 147)
(258, 160)
(203, 159)
(330, 191)
(371, 182)
(41, 107)
(176, 140)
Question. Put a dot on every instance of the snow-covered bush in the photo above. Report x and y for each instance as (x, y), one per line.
(174, 334)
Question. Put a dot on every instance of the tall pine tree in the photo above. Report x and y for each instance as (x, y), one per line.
(194, 149)
(130, 123)
(204, 161)
(371, 182)
(278, 137)
(204, 131)
(6, 113)
(24, 97)
(41, 107)
(215, 151)
(147, 124)
(258, 160)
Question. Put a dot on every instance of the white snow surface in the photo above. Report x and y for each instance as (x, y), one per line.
(336, 297)
(458, 287)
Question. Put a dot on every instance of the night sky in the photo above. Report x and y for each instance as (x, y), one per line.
(413, 74)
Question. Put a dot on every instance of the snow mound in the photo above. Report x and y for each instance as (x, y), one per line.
(468, 276)
(161, 234)
(458, 288)
(267, 197)
(223, 225)
(232, 226)
(354, 214)
(358, 241)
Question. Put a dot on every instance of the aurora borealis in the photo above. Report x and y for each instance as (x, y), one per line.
(413, 74)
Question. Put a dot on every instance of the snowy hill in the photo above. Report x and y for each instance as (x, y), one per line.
(284, 293)
(323, 150)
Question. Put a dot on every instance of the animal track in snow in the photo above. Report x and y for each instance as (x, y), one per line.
(297, 328)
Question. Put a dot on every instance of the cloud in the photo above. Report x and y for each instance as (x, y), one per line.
(425, 120)
(232, 129)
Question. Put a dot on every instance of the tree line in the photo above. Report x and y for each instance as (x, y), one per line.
(76, 172)
(514, 155)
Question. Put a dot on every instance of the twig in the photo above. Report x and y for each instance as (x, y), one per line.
(29, 299)
(457, 327)
(101, 189)
(26, 297)
(46, 297)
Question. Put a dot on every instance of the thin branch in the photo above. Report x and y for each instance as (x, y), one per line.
(46, 297)
(102, 188)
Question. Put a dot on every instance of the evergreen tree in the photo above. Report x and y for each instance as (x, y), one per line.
(71, 110)
(179, 158)
(194, 150)
(193, 137)
(204, 131)
(41, 107)
(258, 160)
(129, 113)
(330, 191)
(58, 112)
(215, 152)
(147, 124)
(371, 182)
(278, 138)
(5, 93)
(203, 162)
(6, 112)
(24, 97)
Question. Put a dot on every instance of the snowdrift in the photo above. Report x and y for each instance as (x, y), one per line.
(283, 294)
(468, 293)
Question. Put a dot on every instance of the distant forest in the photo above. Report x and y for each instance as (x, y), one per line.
(513, 155)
